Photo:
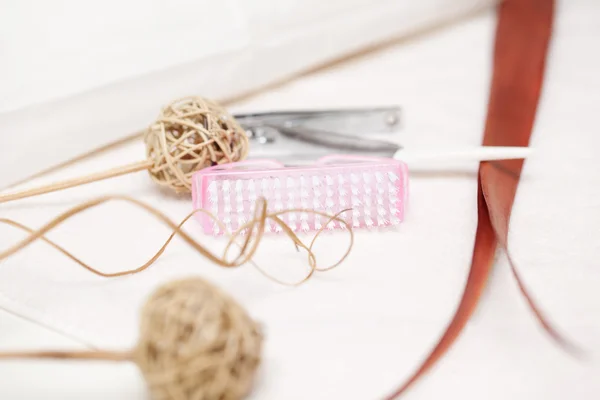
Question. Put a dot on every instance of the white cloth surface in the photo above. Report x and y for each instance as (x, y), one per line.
(78, 75)
(355, 332)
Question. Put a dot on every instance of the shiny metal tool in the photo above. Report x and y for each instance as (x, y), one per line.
(297, 136)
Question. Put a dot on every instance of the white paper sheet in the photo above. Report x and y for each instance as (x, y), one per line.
(78, 75)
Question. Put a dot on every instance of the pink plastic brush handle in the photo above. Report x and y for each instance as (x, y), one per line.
(266, 163)
(373, 191)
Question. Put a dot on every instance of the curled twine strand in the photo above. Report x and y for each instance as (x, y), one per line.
(255, 229)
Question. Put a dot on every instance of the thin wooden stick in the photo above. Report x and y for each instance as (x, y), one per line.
(123, 170)
(70, 355)
(91, 153)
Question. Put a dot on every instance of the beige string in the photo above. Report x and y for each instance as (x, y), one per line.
(195, 341)
(190, 134)
(255, 229)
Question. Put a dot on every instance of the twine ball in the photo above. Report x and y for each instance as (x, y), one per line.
(191, 134)
(197, 343)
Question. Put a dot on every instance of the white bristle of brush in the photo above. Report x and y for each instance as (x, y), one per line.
(483, 153)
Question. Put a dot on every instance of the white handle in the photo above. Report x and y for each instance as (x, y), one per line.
(483, 153)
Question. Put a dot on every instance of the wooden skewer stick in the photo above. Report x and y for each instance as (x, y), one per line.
(192, 131)
(123, 170)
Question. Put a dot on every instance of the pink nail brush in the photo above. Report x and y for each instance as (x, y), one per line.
(374, 190)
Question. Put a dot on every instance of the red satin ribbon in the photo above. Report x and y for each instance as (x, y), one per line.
(523, 33)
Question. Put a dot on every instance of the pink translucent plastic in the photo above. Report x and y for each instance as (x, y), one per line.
(372, 190)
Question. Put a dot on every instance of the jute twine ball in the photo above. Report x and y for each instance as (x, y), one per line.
(190, 134)
(197, 343)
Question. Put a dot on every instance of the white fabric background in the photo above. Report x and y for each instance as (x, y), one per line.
(358, 331)
(77, 75)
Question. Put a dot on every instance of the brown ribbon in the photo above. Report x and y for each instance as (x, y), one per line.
(522, 38)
